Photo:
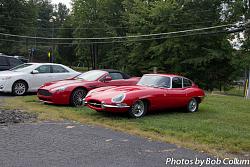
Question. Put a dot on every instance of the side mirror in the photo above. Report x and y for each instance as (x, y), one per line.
(107, 79)
(35, 72)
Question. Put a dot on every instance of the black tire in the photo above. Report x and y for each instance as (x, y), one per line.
(192, 106)
(77, 97)
(138, 109)
(19, 88)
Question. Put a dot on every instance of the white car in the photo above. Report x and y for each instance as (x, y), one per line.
(30, 76)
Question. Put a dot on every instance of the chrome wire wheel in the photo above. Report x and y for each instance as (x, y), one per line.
(193, 105)
(138, 109)
(19, 88)
(77, 97)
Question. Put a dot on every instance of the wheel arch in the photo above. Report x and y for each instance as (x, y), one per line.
(79, 87)
(21, 80)
(198, 99)
(147, 102)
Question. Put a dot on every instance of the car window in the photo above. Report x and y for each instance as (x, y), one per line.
(43, 69)
(177, 82)
(3, 61)
(125, 76)
(91, 75)
(155, 81)
(164, 82)
(187, 82)
(14, 62)
(59, 69)
(116, 75)
(20, 67)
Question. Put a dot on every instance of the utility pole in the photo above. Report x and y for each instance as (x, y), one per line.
(52, 55)
(52, 20)
(248, 90)
(94, 55)
(37, 26)
(248, 51)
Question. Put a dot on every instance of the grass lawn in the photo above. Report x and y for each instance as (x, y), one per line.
(221, 127)
(235, 91)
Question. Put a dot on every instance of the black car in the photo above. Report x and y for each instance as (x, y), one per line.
(8, 62)
(23, 59)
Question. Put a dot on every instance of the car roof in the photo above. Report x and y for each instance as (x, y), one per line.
(3, 55)
(43, 63)
(109, 70)
(21, 57)
(166, 75)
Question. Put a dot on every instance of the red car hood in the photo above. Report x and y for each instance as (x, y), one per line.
(125, 89)
(110, 92)
(52, 85)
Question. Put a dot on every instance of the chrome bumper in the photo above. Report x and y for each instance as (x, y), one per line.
(115, 106)
(103, 105)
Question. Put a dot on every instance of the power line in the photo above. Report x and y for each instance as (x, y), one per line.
(121, 41)
(141, 40)
(155, 38)
(8, 40)
(121, 37)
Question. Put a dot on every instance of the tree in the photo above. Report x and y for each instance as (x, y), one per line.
(15, 17)
(197, 56)
(98, 18)
(66, 53)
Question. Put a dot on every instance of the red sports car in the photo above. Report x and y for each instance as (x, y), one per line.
(72, 91)
(153, 92)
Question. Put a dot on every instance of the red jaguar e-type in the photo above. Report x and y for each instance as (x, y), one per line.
(72, 91)
(153, 92)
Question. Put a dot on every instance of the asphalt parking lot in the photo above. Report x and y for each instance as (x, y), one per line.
(64, 144)
(71, 144)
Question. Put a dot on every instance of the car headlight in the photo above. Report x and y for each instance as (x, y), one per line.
(119, 98)
(90, 92)
(59, 89)
(6, 78)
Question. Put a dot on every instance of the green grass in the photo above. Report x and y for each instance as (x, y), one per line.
(234, 91)
(221, 126)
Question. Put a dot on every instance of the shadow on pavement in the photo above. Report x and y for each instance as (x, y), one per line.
(7, 95)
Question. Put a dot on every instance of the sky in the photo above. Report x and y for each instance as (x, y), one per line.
(66, 2)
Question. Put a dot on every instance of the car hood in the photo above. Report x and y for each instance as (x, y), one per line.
(56, 84)
(125, 89)
(9, 74)
(110, 92)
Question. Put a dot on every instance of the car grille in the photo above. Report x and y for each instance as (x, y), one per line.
(44, 92)
(95, 103)
(45, 99)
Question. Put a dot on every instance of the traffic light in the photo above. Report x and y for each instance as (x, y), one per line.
(50, 55)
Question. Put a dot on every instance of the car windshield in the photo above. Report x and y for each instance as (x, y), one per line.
(91, 75)
(20, 67)
(155, 81)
